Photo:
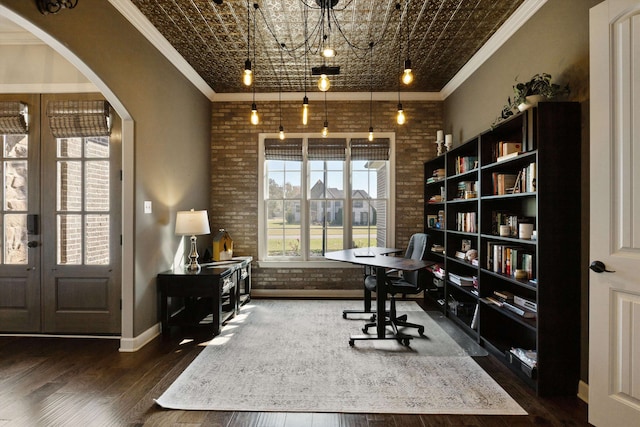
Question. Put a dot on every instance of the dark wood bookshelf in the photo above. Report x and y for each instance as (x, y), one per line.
(550, 138)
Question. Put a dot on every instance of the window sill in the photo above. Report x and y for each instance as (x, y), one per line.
(306, 264)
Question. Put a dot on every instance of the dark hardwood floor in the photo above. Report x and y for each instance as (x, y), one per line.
(87, 382)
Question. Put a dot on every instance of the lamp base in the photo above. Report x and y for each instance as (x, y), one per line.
(193, 266)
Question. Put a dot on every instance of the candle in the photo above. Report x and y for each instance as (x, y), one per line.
(448, 140)
(439, 135)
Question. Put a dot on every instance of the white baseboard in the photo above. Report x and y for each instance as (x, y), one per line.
(583, 391)
(314, 293)
(130, 345)
(307, 293)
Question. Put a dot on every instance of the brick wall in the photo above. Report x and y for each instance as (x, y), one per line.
(234, 174)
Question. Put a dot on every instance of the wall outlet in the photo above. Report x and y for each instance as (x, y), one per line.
(147, 207)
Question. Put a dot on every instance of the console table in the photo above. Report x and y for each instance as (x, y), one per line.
(218, 289)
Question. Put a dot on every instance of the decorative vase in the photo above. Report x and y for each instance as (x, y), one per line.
(530, 101)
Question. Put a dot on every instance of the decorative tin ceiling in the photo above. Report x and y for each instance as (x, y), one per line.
(438, 36)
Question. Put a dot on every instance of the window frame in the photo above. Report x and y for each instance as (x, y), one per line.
(318, 262)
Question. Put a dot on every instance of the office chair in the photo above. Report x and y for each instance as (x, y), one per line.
(409, 283)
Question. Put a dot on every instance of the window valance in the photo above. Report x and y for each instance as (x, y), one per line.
(69, 119)
(363, 149)
(13, 118)
(289, 149)
(327, 149)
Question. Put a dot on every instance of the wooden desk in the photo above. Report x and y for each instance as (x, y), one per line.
(381, 263)
(219, 289)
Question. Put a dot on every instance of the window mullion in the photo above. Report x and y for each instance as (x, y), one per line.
(347, 183)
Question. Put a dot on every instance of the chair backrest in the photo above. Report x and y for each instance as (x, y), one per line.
(417, 249)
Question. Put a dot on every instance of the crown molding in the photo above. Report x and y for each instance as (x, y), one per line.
(504, 33)
(142, 24)
(331, 96)
(511, 25)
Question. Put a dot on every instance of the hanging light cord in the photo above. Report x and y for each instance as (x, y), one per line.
(371, 87)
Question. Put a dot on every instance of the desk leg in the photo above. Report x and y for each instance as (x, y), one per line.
(216, 309)
(164, 313)
(381, 299)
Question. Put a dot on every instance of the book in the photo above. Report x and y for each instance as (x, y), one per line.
(508, 156)
(520, 311)
(511, 147)
(525, 303)
(503, 295)
(494, 301)
(461, 280)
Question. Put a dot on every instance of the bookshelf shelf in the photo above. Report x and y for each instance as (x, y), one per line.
(479, 194)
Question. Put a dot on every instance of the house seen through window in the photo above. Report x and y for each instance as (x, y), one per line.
(324, 194)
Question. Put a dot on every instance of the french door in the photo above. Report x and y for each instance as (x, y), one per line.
(61, 255)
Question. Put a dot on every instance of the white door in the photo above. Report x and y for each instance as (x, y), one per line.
(614, 307)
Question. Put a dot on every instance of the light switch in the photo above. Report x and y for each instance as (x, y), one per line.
(147, 206)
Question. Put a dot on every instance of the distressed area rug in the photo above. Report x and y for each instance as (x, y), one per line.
(294, 356)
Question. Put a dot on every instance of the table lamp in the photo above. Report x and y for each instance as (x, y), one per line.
(192, 223)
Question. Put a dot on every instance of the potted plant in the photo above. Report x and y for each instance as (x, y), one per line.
(526, 95)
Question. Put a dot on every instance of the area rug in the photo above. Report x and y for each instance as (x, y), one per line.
(294, 356)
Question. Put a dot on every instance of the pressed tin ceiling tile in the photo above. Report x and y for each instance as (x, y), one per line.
(441, 35)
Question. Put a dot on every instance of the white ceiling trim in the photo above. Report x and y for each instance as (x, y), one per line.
(504, 33)
(515, 21)
(331, 96)
(142, 24)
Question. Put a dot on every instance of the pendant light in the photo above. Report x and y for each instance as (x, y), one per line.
(281, 128)
(325, 128)
(255, 119)
(247, 75)
(305, 100)
(371, 92)
(400, 117)
(407, 75)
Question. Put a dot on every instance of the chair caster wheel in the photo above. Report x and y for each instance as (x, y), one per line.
(365, 330)
(373, 318)
(421, 332)
(405, 342)
(344, 315)
(351, 343)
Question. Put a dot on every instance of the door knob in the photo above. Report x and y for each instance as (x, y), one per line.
(599, 267)
(32, 244)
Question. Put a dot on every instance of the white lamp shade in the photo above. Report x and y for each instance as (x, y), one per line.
(192, 223)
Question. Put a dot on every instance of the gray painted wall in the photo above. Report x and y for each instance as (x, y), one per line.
(172, 133)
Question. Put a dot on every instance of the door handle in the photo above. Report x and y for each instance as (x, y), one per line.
(599, 267)
(32, 244)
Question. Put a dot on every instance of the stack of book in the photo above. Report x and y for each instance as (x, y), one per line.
(438, 175)
(461, 280)
(515, 304)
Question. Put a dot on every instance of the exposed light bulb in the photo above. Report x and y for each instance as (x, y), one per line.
(323, 83)
(305, 110)
(407, 75)
(254, 114)
(247, 76)
(329, 52)
(371, 133)
(281, 132)
(400, 118)
(325, 129)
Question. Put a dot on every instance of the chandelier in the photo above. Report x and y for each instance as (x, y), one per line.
(320, 41)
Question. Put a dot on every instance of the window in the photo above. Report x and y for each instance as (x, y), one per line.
(324, 194)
